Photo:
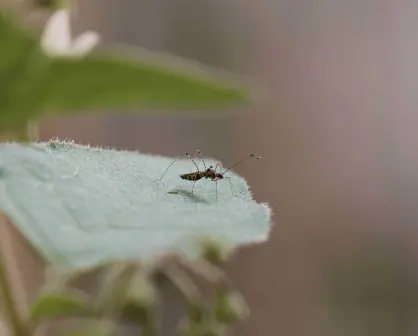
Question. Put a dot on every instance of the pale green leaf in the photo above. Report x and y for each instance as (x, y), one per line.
(81, 206)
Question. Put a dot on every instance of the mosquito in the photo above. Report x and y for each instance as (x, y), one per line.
(209, 172)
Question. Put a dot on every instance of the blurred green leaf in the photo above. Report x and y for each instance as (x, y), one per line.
(58, 305)
(91, 328)
(212, 251)
(110, 82)
(49, 4)
(82, 206)
(14, 44)
(230, 307)
(34, 85)
(22, 65)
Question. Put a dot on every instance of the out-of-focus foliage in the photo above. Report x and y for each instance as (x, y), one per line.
(129, 291)
(35, 84)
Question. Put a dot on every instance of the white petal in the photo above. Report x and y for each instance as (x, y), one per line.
(84, 43)
(56, 37)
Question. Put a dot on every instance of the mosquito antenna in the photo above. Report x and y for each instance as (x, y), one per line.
(251, 156)
(187, 154)
(201, 157)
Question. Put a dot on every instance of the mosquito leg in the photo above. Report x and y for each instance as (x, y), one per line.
(194, 162)
(218, 165)
(216, 181)
(194, 182)
(198, 152)
(186, 154)
(168, 168)
(230, 184)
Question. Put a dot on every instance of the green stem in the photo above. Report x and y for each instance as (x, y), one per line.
(9, 306)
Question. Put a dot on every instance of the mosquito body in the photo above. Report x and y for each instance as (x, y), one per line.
(208, 172)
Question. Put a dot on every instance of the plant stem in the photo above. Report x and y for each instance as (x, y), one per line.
(9, 306)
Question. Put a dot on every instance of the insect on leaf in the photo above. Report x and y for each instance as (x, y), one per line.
(81, 206)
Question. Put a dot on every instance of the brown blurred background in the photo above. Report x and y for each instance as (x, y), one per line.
(338, 137)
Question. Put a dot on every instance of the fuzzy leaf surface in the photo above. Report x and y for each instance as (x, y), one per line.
(81, 206)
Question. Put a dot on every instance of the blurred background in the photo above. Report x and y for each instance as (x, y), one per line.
(338, 136)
